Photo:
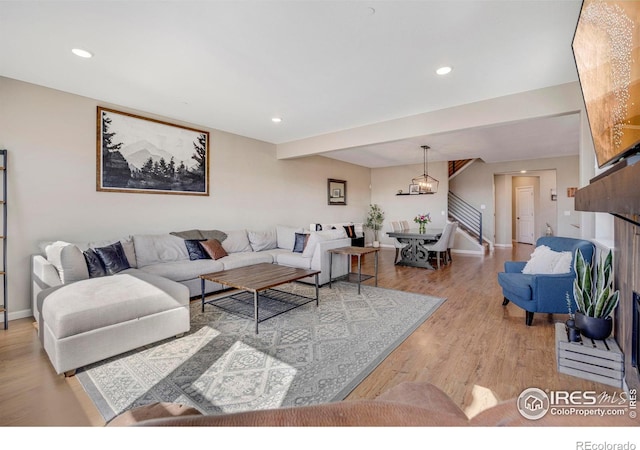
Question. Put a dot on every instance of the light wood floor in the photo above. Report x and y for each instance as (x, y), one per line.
(472, 347)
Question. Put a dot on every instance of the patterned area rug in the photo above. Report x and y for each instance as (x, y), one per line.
(309, 355)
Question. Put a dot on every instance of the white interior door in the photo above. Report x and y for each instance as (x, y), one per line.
(525, 215)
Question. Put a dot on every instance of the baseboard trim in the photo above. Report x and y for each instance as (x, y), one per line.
(20, 314)
(467, 252)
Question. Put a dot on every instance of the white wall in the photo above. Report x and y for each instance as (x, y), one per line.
(51, 140)
(598, 226)
(386, 182)
(587, 165)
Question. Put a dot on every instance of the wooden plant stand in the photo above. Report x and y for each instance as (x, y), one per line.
(594, 360)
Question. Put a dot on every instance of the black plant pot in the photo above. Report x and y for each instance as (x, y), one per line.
(594, 327)
(573, 332)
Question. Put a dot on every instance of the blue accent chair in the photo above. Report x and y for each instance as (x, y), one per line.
(543, 293)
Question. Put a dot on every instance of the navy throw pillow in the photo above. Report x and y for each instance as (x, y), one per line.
(301, 242)
(96, 269)
(195, 250)
(113, 258)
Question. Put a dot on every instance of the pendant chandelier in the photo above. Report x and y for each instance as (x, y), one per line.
(427, 184)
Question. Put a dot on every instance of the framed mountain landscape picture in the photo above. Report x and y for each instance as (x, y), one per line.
(141, 155)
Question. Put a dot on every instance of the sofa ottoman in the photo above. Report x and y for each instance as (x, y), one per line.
(94, 319)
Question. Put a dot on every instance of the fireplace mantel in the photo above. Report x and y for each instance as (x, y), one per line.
(616, 192)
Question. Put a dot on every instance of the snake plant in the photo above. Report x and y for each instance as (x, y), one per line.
(594, 297)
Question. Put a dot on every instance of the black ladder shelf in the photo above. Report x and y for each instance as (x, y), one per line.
(3, 237)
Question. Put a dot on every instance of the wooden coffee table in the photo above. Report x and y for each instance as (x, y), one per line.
(256, 283)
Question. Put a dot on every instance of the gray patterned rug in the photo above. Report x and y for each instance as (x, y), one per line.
(310, 355)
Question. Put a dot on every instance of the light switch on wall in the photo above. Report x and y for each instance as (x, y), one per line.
(567, 213)
(483, 206)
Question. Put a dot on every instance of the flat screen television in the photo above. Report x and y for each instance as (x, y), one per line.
(606, 49)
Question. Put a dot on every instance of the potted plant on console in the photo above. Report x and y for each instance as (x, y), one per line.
(595, 297)
(374, 221)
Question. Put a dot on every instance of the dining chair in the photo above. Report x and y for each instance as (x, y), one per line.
(441, 245)
(405, 224)
(396, 226)
(452, 237)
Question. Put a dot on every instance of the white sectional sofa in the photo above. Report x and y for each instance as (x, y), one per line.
(85, 315)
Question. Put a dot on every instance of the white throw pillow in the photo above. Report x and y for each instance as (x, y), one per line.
(237, 241)
(564, 263)
(544, 261)
(68, 260)
(152, 249)
(319, 236)
(338, 233)
(286, 236)
(263, 240)
(314, 238)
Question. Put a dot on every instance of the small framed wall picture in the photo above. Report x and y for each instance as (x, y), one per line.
(571, 192)
(414, 189)
(336, 192)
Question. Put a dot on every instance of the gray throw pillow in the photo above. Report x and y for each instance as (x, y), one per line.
(213, 234)
(188, 234)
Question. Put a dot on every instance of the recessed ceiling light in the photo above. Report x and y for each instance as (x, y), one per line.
(523, 171)
(276, 119)
(443, 70)
(81, 53)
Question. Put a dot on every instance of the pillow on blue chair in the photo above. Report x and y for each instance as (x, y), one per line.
(546, 261)
(564, 263)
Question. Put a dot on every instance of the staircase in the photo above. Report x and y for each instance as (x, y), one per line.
(455, 167)
(469, 218)
(469, 223)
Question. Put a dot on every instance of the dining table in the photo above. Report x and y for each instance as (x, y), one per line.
(414, 252)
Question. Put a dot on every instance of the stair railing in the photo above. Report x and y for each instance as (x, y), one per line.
(469, 217)
(457, 165)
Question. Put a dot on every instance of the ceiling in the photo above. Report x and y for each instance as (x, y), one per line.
(322, 66)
